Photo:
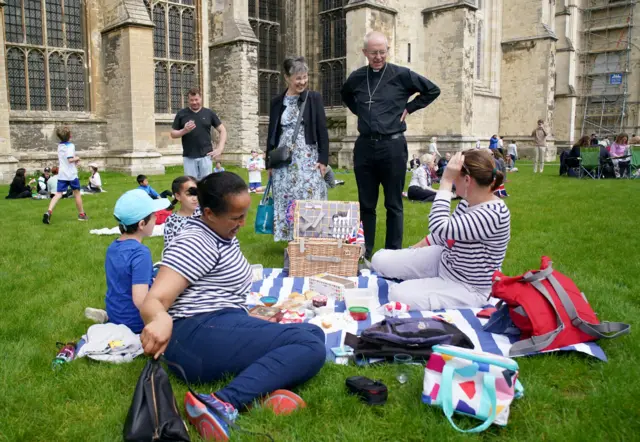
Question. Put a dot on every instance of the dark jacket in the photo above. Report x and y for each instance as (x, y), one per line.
(314, 122)
(17, 187)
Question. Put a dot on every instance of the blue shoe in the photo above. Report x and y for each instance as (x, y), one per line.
(209, 424)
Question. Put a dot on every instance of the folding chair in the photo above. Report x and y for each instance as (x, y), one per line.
(590, 162)
(634, 167)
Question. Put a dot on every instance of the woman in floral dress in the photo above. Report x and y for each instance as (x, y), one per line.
(303, 178)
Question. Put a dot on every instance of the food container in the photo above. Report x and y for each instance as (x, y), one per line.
(268, 300)
(319, 301)
(361, 297)
(359, 313)
(331, 285)
(257, 272)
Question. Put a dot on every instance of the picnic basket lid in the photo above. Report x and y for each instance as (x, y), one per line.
(325, 219)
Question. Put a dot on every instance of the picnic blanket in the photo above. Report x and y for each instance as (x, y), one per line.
(275, 283)
(158, 230)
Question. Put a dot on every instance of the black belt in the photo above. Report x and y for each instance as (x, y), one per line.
(380, 137)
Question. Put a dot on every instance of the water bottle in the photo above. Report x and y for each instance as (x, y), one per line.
(65, 355)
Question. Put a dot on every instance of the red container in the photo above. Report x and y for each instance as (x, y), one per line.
(359, 313)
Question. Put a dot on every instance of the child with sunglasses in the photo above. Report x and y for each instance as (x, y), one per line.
(184, 192)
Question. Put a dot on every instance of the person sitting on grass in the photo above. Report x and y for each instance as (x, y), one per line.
(68, 175)
(19, 188)
(195, 313)
(442, 164)
(143, 184)
(185, 192)
(330, 178)
(452, 267)
(128, 265)
(420, 185)
(95, 182)
(42, 182)
(218, 167)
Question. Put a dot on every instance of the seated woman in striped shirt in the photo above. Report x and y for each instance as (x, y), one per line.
(195, 314)
(452, 267)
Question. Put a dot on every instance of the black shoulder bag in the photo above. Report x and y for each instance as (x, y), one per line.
(154, 415)
(281, 156)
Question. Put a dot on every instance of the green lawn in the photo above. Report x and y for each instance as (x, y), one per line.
(49, 274)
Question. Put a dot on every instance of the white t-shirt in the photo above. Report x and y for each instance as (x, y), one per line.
(95, 180)
(68, 171)
(52, 184)
(512, 149)
(255, 166)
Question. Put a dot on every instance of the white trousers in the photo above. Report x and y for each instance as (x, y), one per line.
(541, 152)
(423, 287)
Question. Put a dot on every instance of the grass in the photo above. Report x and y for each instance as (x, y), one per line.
(49, 274)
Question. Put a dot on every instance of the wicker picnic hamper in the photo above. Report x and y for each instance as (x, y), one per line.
(321, 229)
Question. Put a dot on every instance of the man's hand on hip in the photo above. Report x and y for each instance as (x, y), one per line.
(404, 116)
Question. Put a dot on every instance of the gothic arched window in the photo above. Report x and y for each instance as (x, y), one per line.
(265, 17)
(333, 33)
(175, 50)
(45, 74)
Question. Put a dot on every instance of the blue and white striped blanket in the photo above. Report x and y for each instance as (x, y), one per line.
(276, 284)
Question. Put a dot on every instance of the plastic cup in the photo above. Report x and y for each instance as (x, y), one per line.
(402, 370)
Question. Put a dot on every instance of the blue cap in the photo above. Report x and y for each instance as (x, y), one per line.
(135, 205)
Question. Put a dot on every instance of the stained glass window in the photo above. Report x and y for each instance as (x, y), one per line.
(175, 49)
(265, 18)
(73, 23)
(55, 34)
(162, 88)
(57, 82)
(51, 74)
(333, 33)
(37, 81)
(15, 79)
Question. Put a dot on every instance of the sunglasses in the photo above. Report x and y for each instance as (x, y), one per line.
(192, 191)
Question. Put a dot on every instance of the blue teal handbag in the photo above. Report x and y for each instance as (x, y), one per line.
(264, 217)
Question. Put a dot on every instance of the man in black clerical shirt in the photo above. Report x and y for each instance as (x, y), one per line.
(378, 94)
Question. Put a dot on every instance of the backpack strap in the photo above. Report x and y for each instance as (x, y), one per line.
(537, 343)
(607, 330)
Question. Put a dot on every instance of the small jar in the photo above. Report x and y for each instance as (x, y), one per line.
(319, 301)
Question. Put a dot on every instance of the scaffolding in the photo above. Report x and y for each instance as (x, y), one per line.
(606, 66)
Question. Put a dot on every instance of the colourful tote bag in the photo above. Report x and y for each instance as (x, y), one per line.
(477, 384)
(264, 216)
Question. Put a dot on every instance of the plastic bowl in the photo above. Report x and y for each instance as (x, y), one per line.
(268, 301)
(359, 313)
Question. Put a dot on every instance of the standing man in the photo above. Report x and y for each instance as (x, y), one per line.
(378, 94)
(540, 139)
(193, 124)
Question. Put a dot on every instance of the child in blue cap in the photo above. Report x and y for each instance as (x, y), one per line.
(128, 264)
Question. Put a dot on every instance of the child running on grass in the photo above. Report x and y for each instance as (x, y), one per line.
(128, 264)
(185, 192)
(67, 175)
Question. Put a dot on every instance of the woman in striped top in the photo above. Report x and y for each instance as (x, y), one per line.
(453, 265)
(195, 314)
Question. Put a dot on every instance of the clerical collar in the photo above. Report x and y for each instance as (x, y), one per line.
(378, 70)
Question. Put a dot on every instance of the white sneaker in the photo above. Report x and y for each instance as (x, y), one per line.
(97, 315)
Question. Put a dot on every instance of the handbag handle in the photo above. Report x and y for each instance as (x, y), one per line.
(218, 413)
(265, 195)
(488, 392)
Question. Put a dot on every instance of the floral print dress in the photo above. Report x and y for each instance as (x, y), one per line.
(301, 180)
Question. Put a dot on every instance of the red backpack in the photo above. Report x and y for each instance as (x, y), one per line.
(550, 311)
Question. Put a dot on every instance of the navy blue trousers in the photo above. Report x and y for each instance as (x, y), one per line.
(264, 356)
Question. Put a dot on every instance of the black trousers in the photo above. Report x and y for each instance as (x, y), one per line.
(375, 163)
(417, 193)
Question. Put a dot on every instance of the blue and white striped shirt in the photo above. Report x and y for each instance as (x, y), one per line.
(474, 238)
(218, 273)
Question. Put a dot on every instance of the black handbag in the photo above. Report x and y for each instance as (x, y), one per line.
(281, 156)
(153, 414)
(369, 391)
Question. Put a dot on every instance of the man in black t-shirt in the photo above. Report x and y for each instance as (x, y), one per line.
(193, 124)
